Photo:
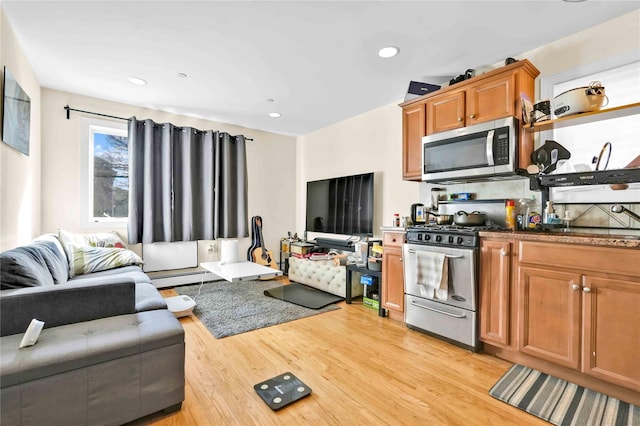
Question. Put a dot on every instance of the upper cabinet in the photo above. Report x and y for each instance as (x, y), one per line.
(413, 129)
(486, 100)
(490, 96)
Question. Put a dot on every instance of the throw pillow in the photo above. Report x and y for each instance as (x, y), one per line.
(85, 259)
(98, 239)
(24, 267)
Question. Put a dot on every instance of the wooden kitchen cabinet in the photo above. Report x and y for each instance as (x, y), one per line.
(567, 309)
(611, 330)
(549, 315)
(496, 257)
(487, 100)
(490, 96)
(413, 129)
(392, 274)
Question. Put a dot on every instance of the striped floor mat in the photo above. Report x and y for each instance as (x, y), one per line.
(560, 402)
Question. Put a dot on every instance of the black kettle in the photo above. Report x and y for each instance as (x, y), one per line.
(417, 213)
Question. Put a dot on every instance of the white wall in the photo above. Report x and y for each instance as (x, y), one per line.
(371, 142)
(270, 158)
(19, 174)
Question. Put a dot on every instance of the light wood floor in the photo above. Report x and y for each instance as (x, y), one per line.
(362, 369)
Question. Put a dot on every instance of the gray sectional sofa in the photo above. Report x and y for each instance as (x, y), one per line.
(110, 352)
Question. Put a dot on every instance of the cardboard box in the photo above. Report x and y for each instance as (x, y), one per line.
(371, 303)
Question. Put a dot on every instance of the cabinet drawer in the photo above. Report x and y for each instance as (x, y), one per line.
(586, 258)
(393, 239)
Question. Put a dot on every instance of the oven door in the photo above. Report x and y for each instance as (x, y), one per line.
(462, 273)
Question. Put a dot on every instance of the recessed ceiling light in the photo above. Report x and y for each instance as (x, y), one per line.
(274, 114)
(137, 81)
(388, 52)
(182, 75)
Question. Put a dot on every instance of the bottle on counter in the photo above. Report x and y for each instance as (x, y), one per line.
(396, 220)
(510, 214)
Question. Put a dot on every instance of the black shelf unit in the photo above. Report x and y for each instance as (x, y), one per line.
(542, 183)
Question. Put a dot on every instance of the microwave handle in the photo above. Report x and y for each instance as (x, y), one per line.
(489, 147)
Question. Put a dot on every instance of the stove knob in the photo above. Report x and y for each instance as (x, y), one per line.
(450, 239)
(427, 237)
(459, 240)
(438, 238)
(419, 237)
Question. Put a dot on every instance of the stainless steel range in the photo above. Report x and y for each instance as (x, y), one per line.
(451, 312)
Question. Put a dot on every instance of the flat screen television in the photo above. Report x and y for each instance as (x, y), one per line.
(341, 205)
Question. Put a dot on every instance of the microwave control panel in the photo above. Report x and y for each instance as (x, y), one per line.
(501, 146)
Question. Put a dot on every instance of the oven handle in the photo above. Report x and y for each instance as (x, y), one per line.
(446, 255)
(414, 303)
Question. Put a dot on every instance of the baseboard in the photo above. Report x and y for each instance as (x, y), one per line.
(176, 277)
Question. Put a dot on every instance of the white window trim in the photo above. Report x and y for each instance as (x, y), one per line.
(588, 193)
(88, 126)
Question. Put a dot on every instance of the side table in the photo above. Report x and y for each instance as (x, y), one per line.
(364, 270)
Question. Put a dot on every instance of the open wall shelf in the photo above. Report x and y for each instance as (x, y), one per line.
(587, 117)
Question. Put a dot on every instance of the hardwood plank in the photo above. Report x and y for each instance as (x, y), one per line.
(362, 369)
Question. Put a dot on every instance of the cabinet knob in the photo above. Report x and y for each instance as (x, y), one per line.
(503, 252)
(586, 290)
(472, 116)
(459, 118)
(575, 286)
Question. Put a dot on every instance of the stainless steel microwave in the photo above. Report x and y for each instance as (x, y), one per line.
(483, 151)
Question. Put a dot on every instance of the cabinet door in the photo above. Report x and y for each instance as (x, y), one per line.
(491, 99)
(413, 129)
(611, 327)
(392, 275)
(445, 112)
(495, 282)
(549, 315)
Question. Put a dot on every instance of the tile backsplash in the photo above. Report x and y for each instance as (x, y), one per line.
(586, 215)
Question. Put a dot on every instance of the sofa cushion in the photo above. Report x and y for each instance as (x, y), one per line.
(74, 346)
(132, 271)
(148, 298)
(26, 266)
(87, 259)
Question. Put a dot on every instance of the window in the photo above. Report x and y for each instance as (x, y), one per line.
(105, 172)
(621, 80)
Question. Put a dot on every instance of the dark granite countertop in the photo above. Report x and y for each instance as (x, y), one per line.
(570, 237)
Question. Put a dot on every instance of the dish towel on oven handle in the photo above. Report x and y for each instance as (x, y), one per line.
(432, 275)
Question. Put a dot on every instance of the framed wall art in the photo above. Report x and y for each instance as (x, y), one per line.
(16, 116)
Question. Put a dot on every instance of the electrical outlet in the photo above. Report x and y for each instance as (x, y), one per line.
(211, 248)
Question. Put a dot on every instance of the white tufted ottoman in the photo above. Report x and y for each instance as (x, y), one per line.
(323, 275)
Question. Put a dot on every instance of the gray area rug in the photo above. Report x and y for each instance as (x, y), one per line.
(228, 308)
(560, 402)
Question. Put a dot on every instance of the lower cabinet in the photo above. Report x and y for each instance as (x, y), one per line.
(611, 330)
(548, 315)
(495, 291)
(392, 275)
(574, 309)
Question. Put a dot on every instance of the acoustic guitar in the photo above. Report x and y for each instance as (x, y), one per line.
(261, 255)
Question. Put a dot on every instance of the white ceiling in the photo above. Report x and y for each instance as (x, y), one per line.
(315, 59)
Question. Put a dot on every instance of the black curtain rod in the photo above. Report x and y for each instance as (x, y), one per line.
(69, 109)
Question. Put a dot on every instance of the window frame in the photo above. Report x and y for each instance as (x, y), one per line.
(90, 126)
(588, 193)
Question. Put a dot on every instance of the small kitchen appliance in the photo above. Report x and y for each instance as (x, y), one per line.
(418, 213)
(579, 100)
(479, 151)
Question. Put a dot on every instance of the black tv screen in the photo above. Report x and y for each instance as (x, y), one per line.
(342, 205)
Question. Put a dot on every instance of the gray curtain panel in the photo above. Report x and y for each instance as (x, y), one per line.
(185, 184)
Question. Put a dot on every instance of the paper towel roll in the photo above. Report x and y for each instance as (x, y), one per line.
(229, 251)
